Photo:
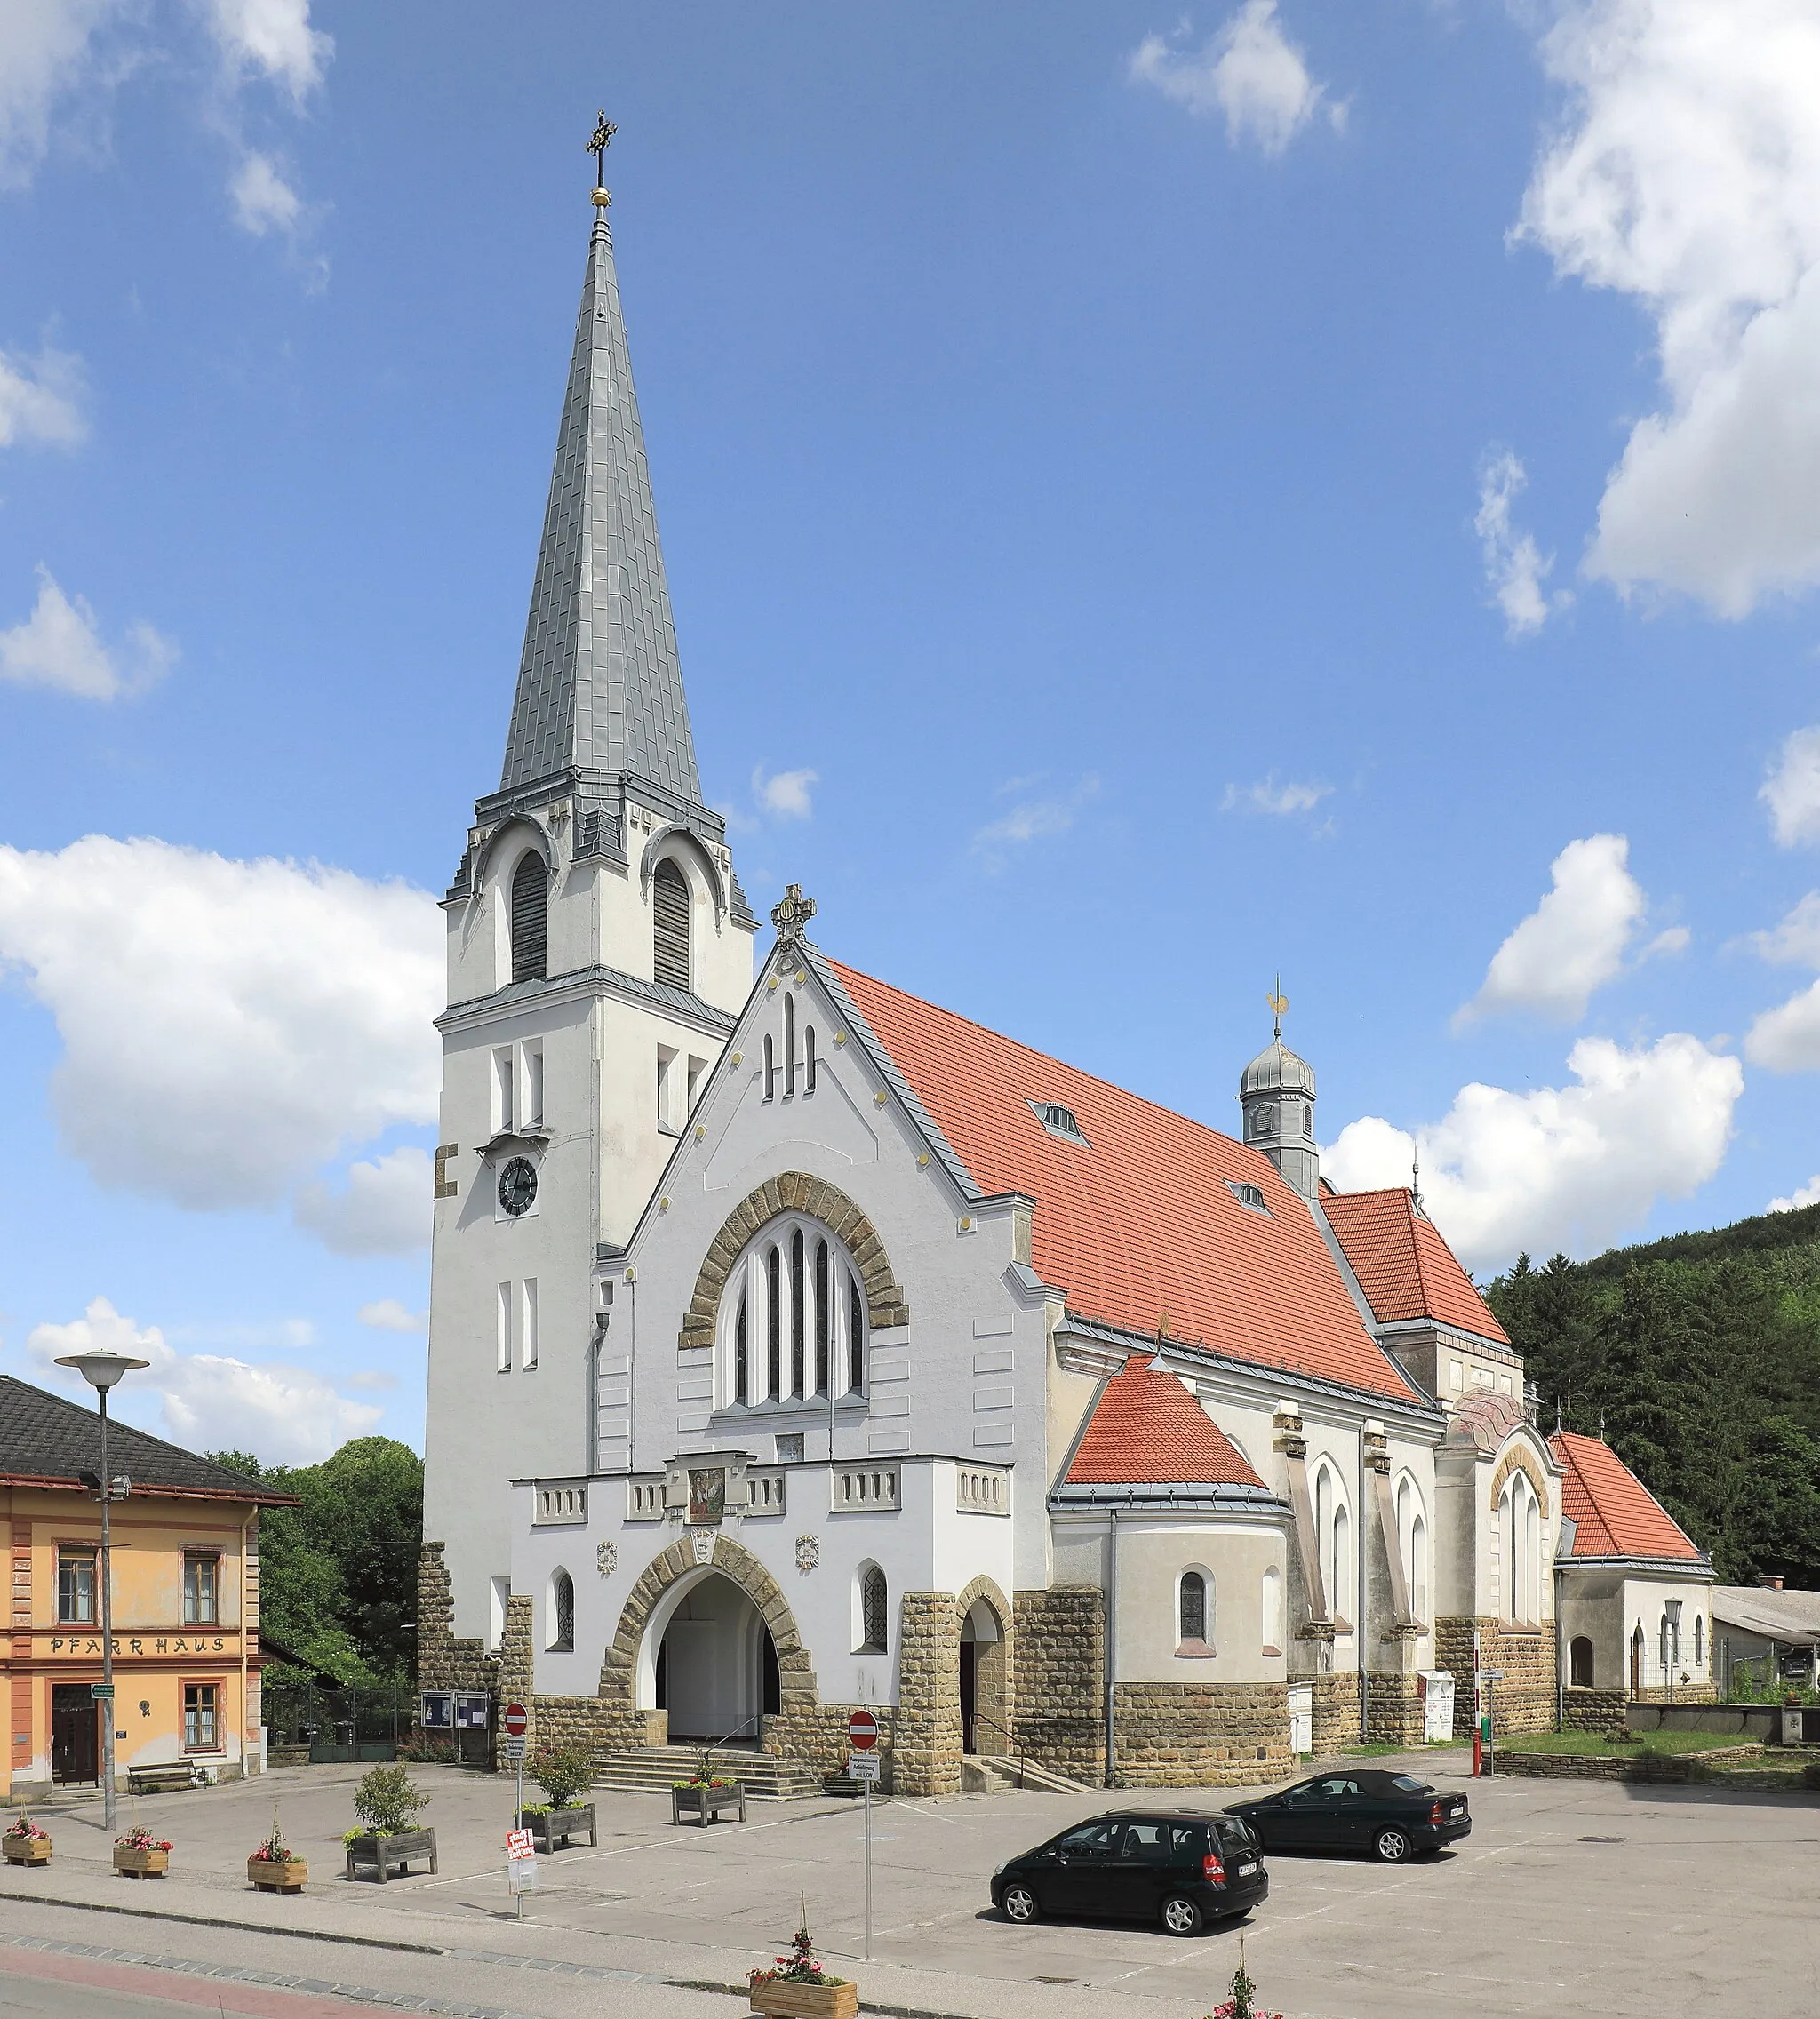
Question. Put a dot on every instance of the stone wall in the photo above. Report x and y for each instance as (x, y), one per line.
(1593, 1767)
(1592, 1710)
(1393, 1713)
(926, 1749)
(1191, 1734)
(815, 1735)
(1524, 1700)
(1058, 1679)
(1682, 1693)
(1335, 1705)
(443, 1662)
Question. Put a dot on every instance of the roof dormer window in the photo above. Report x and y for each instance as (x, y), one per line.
(1249, 1196)
(1059, 1121)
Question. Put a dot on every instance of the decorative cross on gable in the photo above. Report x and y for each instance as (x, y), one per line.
(791, 913)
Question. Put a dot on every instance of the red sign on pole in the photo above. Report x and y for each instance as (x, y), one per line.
(515, 1719)
(862, 1731)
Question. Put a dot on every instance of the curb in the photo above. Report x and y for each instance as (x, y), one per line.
(218, 1920)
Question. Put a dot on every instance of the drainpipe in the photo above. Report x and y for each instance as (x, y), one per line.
(1111, 1644)
(1361, 1593)
(602, 1320)
(245, 1522)
(1560, 1650)
(632, 1377)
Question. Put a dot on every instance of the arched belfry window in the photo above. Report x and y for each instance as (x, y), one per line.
(530, 918)
(793, 1318)
(669, 924)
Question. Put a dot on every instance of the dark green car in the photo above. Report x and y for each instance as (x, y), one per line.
(1394, 1816)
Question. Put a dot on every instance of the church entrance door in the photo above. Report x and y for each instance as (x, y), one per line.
(716, 1668)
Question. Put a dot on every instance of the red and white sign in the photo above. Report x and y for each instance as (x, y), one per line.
(518, 1844)
(516, 1720)
(862, 1731)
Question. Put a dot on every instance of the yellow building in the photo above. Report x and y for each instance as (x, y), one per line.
(184, 1546)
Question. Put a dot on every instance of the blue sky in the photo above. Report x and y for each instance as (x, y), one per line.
(1151, 501)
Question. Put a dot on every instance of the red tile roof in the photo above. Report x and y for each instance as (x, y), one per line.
(1614, 1512)
(1403, 1266)
(1147, 1429)
(1142, 1228)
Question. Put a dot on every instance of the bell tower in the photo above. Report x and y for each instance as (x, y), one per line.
(598, 946)
(1276, 1097)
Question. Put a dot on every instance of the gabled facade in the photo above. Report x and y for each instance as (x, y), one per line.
(875, 1358)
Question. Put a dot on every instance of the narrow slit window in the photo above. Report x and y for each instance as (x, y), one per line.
(739, 1375)
(771, 1067)
(807, 1058)
(797, 1370)
(530, 918)
(528, 1357)
(562, 1614)
(789, 1046)
(856, 1339)
(821, 1318)
(774, 1313)
(872, 1610)
(669, 913)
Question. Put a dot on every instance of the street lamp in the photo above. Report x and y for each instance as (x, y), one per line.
(102, 1371)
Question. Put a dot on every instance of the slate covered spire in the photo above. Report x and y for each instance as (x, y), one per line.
(598, 685)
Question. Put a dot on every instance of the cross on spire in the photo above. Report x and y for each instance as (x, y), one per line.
(791, 913)
(599, 141)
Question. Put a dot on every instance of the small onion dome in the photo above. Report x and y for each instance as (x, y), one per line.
(1276, 1070)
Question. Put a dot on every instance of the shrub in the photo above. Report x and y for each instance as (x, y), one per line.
(562, 1771)
(387, 1801)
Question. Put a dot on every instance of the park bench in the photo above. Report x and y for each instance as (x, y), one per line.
(163, 1780)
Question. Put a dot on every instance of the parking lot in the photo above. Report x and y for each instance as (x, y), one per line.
(1570, 1897)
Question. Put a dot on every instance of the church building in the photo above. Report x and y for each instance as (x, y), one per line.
(797, 1344)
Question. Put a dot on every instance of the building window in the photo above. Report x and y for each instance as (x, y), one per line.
(530, 917)
(1412, 1536)
(527, 1358)
(1059, 1121)
(1699, 1639)
(1190, 1608)
(1333, 1529)
(792, 1319)
(1270, 1609)
(771, 1067)
(533, 1084)
(1580, 1662)
(666, 1059)
(872, 1610)
(789, 1046)
(504, 1328)
(562, 1614)
(202, 1718)
(496, 1613)
(1249, 1196)
(669, 916)
(75, 1587)
(807, 1058)
(504, 1107)
(201, 1577)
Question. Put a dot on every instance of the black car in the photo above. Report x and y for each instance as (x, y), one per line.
(1180, 1867)
(1393, 1815)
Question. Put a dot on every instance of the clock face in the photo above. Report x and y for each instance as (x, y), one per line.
(517, 1186)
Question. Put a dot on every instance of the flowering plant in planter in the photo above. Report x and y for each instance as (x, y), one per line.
(140, 1838)
(704, 1775)
(562, 1771)
(801, 1965)
(1240, 2006)
(25, 1827)
(274, 1850)
(387, 1800)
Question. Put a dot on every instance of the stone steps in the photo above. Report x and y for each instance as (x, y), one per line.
(654, 1770)
(1012, 1773)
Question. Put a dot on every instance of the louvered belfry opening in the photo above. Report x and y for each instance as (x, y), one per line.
(530, 918)
(669, 907)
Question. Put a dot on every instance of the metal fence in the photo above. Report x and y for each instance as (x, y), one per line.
(341, 1724)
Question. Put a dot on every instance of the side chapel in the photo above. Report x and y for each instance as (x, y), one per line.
(796, 1344)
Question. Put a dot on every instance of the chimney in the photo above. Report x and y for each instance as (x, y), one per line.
(1766, 1583)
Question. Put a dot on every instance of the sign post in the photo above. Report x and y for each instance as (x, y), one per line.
(520, 1865)
(515, 1722)
(863, 1766)
(1483, 1747)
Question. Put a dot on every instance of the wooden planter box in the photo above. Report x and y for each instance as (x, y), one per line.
(551, 1827)
(807, 2001)
(379, 1857)
(705, 1804)
(140, 1865)
(26, 1850)
(277, 1875)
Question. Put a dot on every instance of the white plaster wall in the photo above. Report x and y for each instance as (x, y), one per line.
(1644, 1599)
(1153, 1552)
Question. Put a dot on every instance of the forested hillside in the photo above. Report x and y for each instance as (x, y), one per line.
(1699, 1356)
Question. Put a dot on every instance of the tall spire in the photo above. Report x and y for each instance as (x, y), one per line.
(598, 685)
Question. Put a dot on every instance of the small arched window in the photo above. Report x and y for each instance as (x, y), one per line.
(873, 1625)
(809, 1059)
(1580, 1661)
(1270, 1609)
(789, 1046)
(562, 1614)
(669, 924)
(1191, 1610)
(530, 917)
(1699, 1639)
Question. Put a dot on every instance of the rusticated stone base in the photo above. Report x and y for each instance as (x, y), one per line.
(815, 1735)
(1335, 1721)
(1523, 1698)
(926, 1742)
(443, 1662)
(1592, 1710)
(1193, 1734)
(1682, 1693)
(1058, 1679)
(1393, 1709)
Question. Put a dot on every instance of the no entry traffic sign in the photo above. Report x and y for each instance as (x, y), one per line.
(516, 1720)
(862, 1730)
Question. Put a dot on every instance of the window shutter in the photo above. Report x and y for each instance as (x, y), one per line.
(669, 904)
(531, 919)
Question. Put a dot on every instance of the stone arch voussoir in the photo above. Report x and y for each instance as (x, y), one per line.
(738, 1566)
(795, 1192)
(1520, 1459)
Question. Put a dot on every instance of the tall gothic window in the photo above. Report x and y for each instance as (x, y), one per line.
(793, 1318)
(530, 917)
(809, 1059)
(873, 1624)
(789, 1046)
(669, 916)
(562, 1614)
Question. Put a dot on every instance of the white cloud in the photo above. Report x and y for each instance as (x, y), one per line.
(1792, 791)
(1686, 173)
(1787, 1038)
(1267, 796)
(41, 399)
(1572, 1168)
(1807, 1195)
(375, 1380)
(388, 1315)
(1250, 73)
(272, 39)
(227, 1026)
(785, 794)
(1574, 941)
(59, 646)
(45, 49)
(385, 1208)
(1796, 938)
(1033, 820)
(263, 200)
(208, 1402)
(1515, 567)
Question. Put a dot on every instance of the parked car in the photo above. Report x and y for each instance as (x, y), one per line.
(1393, 1815)
(1180, 1867)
